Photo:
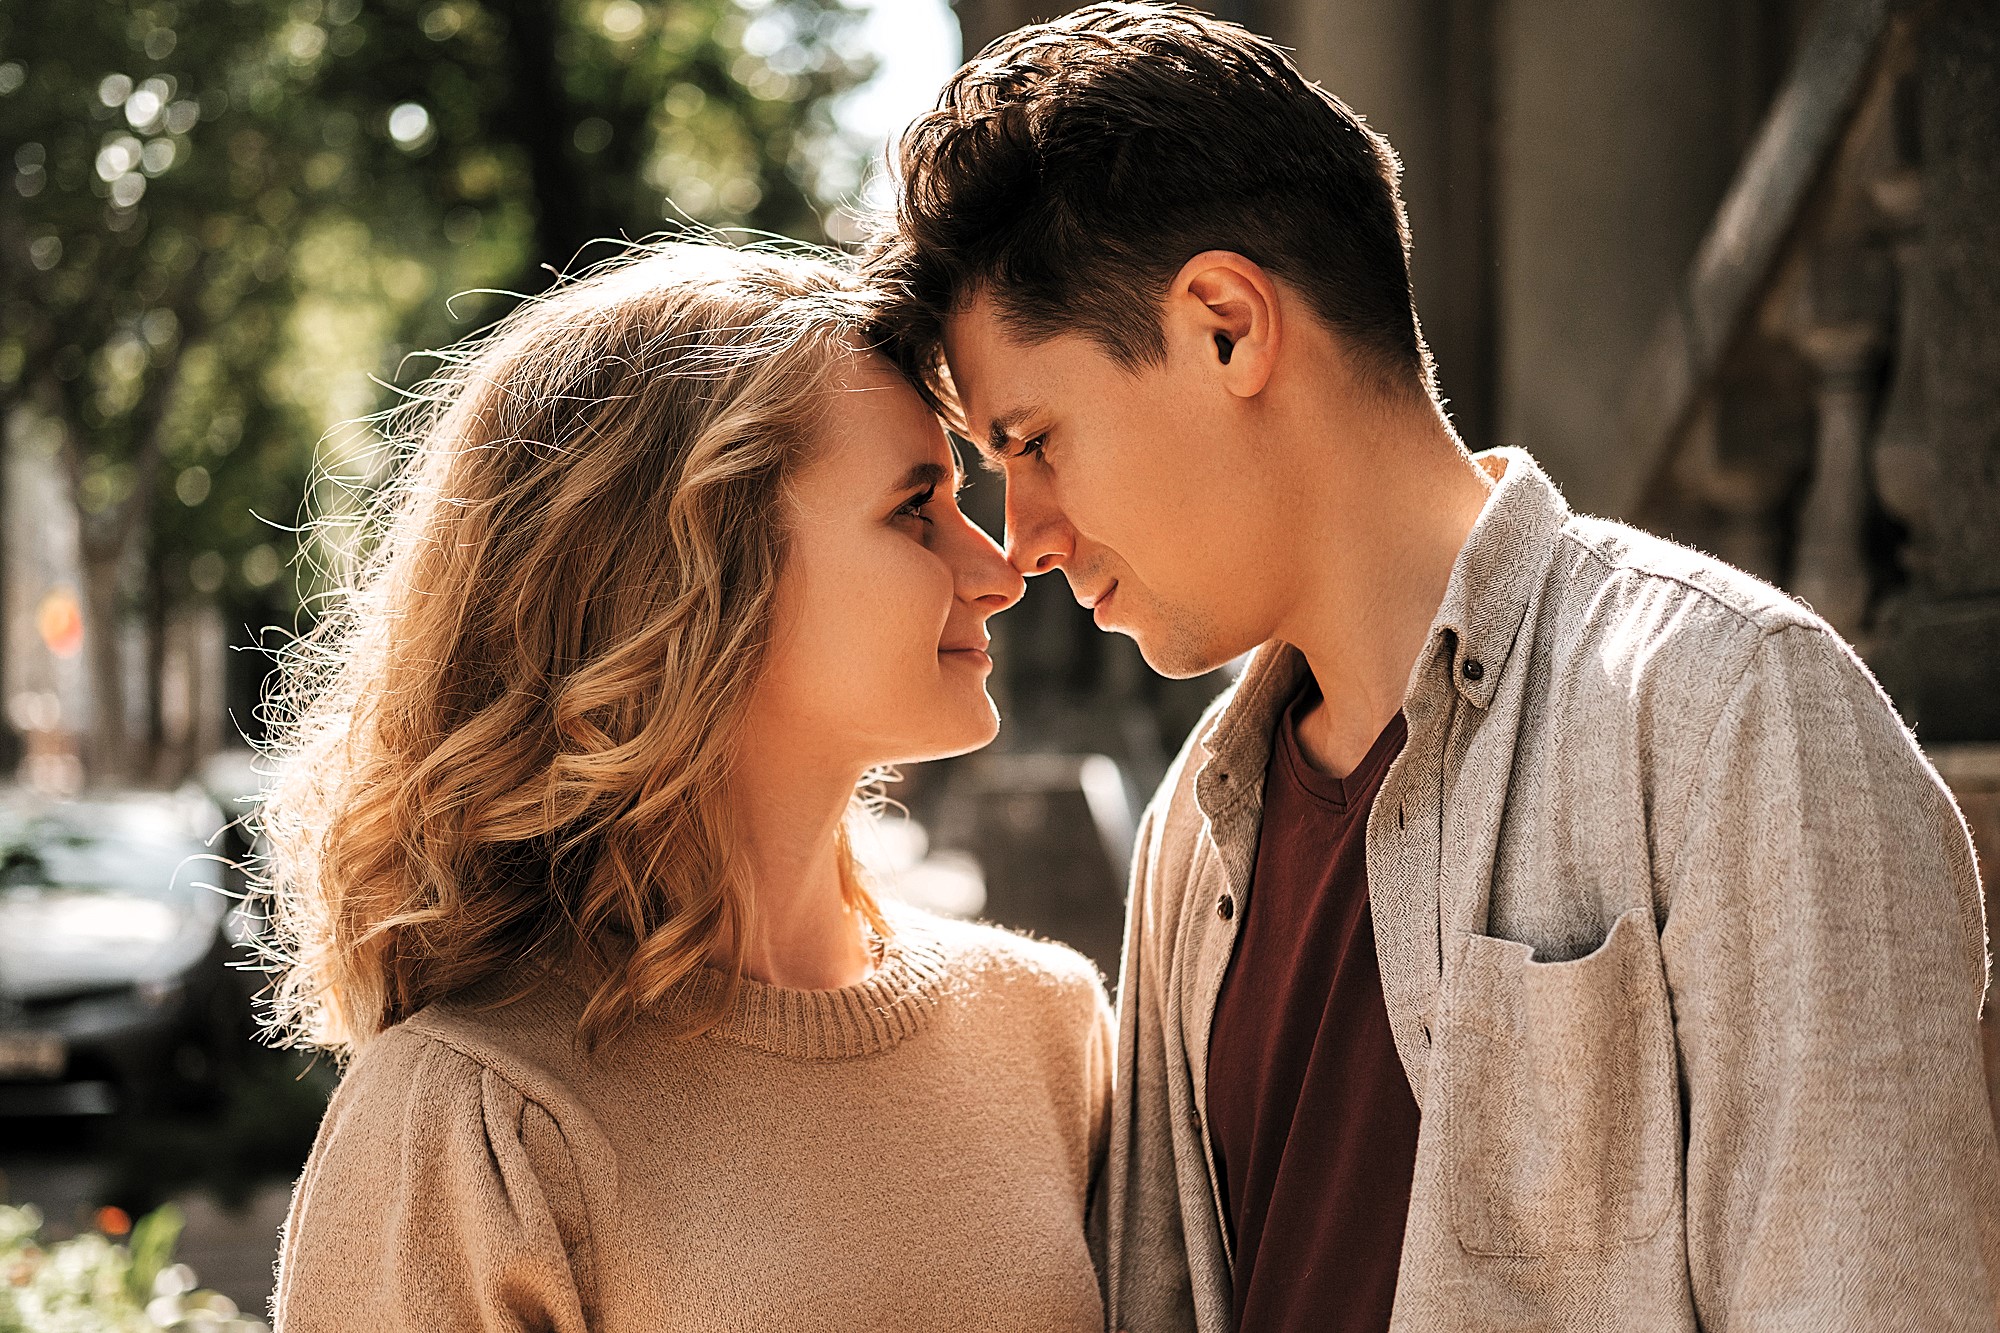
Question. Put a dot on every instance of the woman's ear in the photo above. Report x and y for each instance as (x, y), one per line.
(1228, 306)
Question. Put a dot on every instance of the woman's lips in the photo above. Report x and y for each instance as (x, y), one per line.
(971, 651)
(970, 656)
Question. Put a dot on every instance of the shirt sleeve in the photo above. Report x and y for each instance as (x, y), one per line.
(1100, 1071)
(1826, 954)
(1148, 1286)
(1103, 1052)
(438, 1199)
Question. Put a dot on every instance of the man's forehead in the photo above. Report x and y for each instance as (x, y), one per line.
(975, 315)
(981, 342)
(988, 375)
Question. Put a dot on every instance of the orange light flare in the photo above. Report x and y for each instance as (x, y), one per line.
(60, 621)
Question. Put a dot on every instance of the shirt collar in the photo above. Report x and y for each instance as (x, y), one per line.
(1503, 561)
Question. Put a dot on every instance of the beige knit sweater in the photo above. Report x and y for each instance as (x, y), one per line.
(909, 1153)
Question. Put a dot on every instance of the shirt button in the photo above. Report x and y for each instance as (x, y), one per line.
(1225, 907)
(1473, 670)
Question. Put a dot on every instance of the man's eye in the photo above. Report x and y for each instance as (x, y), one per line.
(1033, 448)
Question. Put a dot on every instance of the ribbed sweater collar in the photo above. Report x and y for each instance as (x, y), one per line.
(895, 1003)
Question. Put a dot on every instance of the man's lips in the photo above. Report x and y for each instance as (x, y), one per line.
(1096, 602)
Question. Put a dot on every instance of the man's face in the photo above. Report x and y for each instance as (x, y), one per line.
(1142, 485)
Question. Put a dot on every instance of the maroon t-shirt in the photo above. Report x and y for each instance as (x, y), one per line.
(1310, 1114)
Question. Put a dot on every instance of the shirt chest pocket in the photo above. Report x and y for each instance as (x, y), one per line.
(1562, 1104)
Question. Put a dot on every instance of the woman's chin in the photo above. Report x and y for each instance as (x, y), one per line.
(958, 730)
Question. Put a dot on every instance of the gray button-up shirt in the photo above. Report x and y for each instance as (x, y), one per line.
(1681, 940)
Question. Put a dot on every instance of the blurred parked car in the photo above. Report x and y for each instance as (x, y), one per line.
(235, 779)
(115, 994)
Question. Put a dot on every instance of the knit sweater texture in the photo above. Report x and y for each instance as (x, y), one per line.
(913, 1152)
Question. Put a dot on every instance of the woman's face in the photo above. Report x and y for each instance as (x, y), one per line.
(879, 648)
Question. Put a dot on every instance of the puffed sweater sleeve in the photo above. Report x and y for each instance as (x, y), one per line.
(1148, 1284)
(438, 1199)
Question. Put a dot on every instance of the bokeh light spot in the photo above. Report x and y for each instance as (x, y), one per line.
(409, 125)
(622, 19)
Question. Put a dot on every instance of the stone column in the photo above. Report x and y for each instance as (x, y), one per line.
(1617, 130)
(1905, 468)
(1421, 72)
(1939, 648)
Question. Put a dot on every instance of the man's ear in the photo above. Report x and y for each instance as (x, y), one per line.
(1226, 309)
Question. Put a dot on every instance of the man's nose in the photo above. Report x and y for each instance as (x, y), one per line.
(1038, 538)
(994, 584)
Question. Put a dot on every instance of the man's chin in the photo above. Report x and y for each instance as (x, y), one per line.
(1178, 655)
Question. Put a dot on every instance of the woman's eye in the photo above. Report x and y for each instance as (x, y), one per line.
(914, 506)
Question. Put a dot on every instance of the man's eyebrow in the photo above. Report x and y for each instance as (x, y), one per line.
(1003, 426)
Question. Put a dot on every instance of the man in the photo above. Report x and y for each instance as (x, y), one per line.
(1553, 928)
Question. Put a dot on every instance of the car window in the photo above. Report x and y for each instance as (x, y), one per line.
(139, 849)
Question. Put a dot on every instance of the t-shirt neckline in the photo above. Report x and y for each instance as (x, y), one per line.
(1336, 793)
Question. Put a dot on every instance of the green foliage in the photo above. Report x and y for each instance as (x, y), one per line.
(152, 1249)
(92, 1284)
(148, 218)
(600, 117)
(224, 215)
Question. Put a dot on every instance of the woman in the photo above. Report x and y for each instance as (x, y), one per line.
(561, 858)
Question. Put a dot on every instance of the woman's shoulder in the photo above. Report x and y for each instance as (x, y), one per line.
(526, 1036)
(467, 1058)
(984, 958)
(443, 1160)
(1034, 1004)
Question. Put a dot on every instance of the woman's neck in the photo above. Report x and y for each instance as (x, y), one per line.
(787, 816)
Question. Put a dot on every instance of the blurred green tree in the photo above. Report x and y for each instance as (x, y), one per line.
(141, 232)
(225, 214)
(599, 117)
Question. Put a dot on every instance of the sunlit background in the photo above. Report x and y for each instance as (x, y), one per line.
(1730, 268)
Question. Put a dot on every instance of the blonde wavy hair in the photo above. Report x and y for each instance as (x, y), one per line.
(502, 747)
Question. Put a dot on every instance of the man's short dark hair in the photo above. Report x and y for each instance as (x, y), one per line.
(1073, 167)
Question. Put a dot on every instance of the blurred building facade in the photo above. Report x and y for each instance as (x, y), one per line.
(1729, 268)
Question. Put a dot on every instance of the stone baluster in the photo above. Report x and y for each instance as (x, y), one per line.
(1830, 568)
(1904, 470)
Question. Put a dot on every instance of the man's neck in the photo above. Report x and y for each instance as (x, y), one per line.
(1380, 545)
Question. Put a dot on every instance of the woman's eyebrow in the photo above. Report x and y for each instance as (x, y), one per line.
(923, 474)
